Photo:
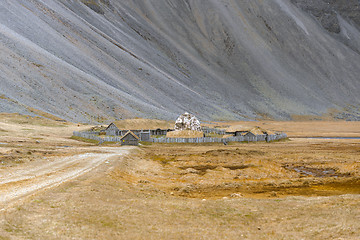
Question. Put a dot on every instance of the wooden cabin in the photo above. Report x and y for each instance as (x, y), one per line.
(159, 132)
(250, 134)
(112, 130)
(144, 135)
(130, 139)
(237, 130)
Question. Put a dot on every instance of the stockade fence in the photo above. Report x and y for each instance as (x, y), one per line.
(96, 137)
(88, 135)
(207, 130)
(257, 138)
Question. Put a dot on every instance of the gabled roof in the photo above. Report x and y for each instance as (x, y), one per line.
(131, 133)
(247, 129)
(237, 128)
(112, 124)
(257, 131)
(247, 134)
(270, 132)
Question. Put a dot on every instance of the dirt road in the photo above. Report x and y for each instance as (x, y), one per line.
(25, 180)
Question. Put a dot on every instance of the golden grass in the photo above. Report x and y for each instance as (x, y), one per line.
(23, 120)
(140, 123)
(132, 199)
(33, 139)
(86, 140)
(265, 167)
(185, 134)
(243, 127)
(44, 114)
(304, 128)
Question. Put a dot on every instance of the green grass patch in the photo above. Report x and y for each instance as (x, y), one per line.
(158, 136)
(110, 143)
(86, 140)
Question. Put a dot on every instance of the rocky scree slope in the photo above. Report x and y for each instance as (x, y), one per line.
(93, 60)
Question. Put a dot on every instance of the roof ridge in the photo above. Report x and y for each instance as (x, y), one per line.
(130, 132)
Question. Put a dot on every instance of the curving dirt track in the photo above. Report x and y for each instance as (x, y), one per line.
(21, 182)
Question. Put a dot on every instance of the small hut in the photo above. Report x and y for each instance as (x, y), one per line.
(237, 130)
(250, 134)
(130, 139)
(240, 130)
(112, 130)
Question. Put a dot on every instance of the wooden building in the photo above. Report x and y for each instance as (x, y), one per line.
(130, 139)
(239, 133)
(245, 131)
(112, 130)
(159, 132)
(144, 136)
(250, 134)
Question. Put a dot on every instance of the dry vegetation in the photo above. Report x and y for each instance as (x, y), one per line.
(295, 189)
(185, 134)
(140, 123)
(302, 128)
(256, 170)
(25, 139)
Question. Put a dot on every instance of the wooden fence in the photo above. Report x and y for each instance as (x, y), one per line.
(256, 138)
(88, 135)
(95, 136)
(208, 130)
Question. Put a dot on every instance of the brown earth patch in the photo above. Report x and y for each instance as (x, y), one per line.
(259, 170)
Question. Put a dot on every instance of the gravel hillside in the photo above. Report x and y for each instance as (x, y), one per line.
(96, 60)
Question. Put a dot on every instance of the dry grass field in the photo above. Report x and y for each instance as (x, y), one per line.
(302, 128)
(294, 189)
(256, 170)
(141, 123)
(25, 139)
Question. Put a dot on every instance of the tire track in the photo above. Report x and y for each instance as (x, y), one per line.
(23, 182)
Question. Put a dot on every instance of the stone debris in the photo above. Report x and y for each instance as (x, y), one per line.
(236, 195)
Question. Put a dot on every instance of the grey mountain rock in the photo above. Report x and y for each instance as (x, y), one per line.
(328, 11)
(108, 59)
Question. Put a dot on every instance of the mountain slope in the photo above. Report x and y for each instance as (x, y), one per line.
(94, 60)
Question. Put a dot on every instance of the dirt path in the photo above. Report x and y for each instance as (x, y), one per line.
(18, 183)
